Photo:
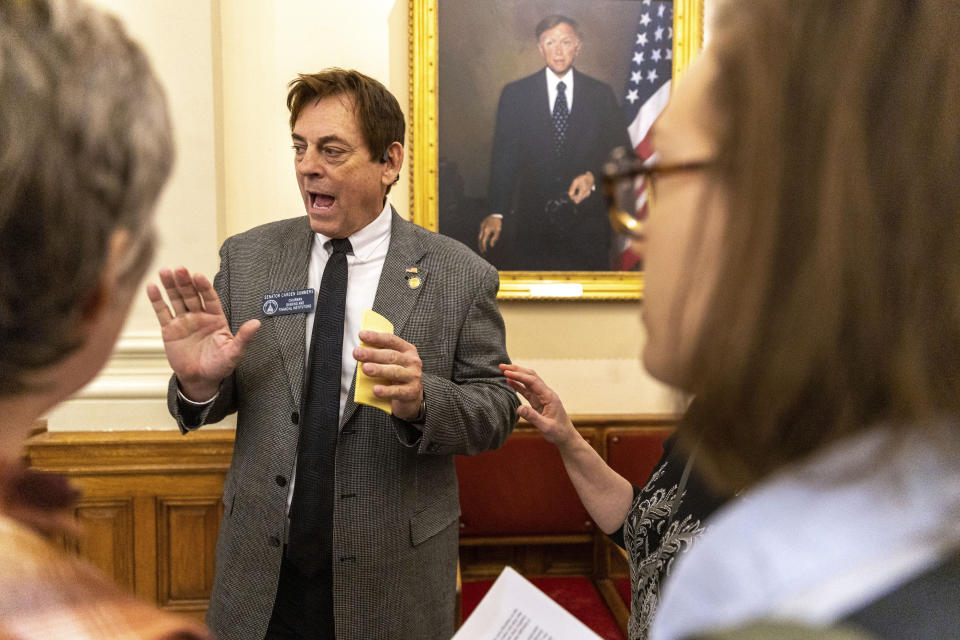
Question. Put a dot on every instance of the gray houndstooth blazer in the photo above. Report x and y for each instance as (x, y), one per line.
(396, 501)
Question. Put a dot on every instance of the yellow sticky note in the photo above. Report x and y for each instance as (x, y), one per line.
(363, 387)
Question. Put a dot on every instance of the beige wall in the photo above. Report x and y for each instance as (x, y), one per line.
(225, 64)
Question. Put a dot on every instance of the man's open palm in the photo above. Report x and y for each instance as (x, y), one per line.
(198, 342)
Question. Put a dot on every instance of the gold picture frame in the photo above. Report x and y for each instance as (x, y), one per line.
(424, 143)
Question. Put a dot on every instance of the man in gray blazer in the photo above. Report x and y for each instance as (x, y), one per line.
(382, 563)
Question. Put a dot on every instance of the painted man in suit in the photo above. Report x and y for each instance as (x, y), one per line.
(352, 533)
(554, 130)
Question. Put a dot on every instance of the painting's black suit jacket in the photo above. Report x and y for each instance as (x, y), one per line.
(526, 174)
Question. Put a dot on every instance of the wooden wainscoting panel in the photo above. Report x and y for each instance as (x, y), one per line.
(101, 453)
(150, 508)
(152, 504)
(188, 537)
(145, 541)
(106, 538)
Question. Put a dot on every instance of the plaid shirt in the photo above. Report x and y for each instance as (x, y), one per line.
(47, 594)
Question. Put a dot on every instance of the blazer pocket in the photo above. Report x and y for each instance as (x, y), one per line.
(434, 518)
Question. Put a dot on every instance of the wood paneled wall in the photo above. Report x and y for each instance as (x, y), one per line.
(151, 509)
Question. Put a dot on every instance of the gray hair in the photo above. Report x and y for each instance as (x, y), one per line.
(85, 147)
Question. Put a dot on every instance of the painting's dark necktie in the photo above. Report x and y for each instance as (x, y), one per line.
(561, 117)
(310, 544)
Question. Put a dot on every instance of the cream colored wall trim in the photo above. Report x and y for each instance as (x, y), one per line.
(138, 369)
(127, 387)
(130, 392)
(139, 345)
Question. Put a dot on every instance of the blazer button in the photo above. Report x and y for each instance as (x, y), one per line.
(281, 481)
(295, 417)
(273, 541)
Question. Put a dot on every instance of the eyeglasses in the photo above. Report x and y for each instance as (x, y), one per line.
(624, 175)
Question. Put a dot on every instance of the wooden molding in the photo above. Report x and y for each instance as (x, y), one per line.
(83, 453)
(151, 509)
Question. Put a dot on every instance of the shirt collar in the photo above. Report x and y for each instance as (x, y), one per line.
(364, 241)
(814, 540)
(553, 79)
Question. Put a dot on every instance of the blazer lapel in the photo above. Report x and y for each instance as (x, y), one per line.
(396, 295)
(289, 273)
(577, 108)
(543, 111)
(580, 137)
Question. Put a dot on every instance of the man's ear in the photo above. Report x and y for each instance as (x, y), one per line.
(105, 293)
(392, 161)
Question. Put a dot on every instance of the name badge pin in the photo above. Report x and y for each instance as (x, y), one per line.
(283, 303)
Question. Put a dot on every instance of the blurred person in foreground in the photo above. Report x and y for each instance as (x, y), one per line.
(803, 283)
(85, 147)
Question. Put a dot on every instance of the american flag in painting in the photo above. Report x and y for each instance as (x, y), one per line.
(648, 89)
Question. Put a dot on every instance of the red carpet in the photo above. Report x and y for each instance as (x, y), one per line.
(575, 594)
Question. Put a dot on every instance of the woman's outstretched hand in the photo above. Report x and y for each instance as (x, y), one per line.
(545, 411)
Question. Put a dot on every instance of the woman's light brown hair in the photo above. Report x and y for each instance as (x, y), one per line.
(838, 303)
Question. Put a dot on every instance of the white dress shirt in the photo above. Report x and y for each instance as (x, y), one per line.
(364, 265)
(821, 539)
(552, 80)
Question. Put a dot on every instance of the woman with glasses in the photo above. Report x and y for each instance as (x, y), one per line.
(803, 283)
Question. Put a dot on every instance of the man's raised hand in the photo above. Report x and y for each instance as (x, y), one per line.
(200, 347)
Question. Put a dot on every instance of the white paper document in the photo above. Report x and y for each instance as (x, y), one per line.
(514, 609)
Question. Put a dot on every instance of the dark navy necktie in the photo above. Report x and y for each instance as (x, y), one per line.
(310, 544)
(561, 117)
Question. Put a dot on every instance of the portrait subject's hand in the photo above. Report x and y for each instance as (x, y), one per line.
(200, 347)
(546, 411)
(581, 187)
(489, 232)
(395, 360)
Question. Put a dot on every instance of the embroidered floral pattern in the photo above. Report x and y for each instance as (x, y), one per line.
(654, 533)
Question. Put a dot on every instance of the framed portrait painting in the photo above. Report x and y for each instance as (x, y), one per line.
(515, 107)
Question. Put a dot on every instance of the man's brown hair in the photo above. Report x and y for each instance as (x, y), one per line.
(377, 110)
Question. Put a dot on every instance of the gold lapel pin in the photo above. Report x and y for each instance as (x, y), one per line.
(413, 282)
